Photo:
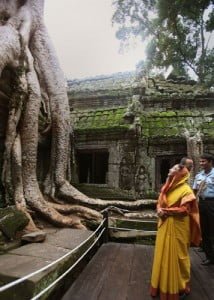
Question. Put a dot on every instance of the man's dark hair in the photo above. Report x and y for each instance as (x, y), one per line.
(207, 156)
(183, 161)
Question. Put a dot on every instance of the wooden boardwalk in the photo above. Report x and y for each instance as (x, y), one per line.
(122, 272)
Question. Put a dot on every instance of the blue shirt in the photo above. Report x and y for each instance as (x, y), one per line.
(207, 190)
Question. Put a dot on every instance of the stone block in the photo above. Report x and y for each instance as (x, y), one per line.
(32, 257)
(11, 221)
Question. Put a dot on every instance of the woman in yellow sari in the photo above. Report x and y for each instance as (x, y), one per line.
(178, 227)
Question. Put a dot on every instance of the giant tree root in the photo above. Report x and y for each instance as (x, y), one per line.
(82, 211)
(27, 51)
(72, 195)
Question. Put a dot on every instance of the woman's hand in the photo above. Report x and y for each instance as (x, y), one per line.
(160, 212)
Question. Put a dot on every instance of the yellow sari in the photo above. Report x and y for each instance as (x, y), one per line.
(176, 230)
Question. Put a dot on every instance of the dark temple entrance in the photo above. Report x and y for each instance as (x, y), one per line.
(163, 164)
(164, 169)
(92, 166)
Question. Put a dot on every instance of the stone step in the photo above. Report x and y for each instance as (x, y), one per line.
(31, 257)
(141, 231)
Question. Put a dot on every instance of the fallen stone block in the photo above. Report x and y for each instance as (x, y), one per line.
(12, 221)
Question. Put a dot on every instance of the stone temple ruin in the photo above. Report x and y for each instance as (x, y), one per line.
(129, 130)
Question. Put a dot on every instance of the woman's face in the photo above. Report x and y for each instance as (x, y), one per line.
(173, 170)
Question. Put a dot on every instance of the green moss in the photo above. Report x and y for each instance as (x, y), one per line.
(106, 193)
(154, 124)
(59, 270)
(109, 119)
(139, 225)
(102, 129)
(172, 123)
(12, 220)
(164, 114)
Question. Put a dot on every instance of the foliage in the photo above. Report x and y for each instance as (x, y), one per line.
(177, 32)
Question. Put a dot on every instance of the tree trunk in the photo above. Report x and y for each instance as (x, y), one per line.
(27, 52)
(194, 148)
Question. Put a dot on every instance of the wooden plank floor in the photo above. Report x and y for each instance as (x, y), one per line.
(122, 272)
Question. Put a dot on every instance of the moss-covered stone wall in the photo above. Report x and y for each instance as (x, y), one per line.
(143, 123)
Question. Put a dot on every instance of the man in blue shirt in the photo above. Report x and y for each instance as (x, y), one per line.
(204, 188)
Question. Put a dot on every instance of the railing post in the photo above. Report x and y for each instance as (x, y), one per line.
(105, 236)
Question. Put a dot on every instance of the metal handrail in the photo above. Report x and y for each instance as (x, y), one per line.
(136, 220)
(131, 229)
(104, 222)
(68, 270)
(17, 281)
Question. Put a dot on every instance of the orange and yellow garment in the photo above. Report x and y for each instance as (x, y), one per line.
(176, 231)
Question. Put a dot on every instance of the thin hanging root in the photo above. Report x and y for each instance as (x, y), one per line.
(85, 212)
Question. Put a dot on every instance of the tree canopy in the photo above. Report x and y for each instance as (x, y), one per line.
(177, 32)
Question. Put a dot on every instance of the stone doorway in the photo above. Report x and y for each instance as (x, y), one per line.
(163, 164)
(92, 166)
